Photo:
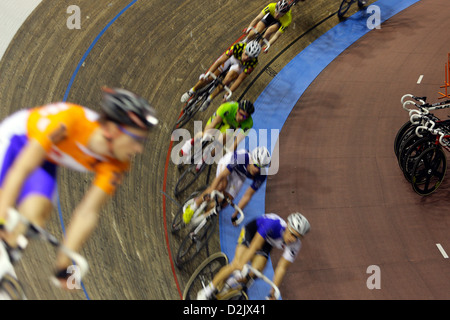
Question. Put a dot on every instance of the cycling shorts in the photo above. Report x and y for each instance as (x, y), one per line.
(246, 236)
(43, 181)
(233, 64)
(269, 20)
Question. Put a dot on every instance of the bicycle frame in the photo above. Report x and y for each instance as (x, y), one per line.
(250, 269)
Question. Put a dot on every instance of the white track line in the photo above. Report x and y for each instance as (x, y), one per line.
(420, 79)
(442, 250)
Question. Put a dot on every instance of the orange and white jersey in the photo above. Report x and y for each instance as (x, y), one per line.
(64, 130)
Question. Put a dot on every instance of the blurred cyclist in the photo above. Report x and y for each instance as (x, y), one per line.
(255, 243)
(34, 142)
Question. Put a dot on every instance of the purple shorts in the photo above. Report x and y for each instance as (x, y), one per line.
(42, 181)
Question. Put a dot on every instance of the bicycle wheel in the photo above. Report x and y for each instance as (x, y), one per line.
(177, 221)
(413, 149)
(408, 139)
(429, 171)
(190, 110)
(204, 274)
(192, 244)
(187, 178)
(343, 8)
(12, 288)
(399, 136)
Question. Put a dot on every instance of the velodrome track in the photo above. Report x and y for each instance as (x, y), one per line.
(336, 160)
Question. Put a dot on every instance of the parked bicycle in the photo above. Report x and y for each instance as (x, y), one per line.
(419, 142)
(233, 289)
(9, 284)
(201, 227)
(346, 4)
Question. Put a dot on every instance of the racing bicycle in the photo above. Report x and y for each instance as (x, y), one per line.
(419, 144)
(10, 287)
(200, 160)
(195, 103)
(202, 225)
(233, 289)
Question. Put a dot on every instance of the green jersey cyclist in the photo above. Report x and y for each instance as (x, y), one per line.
(230, 115)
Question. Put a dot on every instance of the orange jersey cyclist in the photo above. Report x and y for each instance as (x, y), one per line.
(240, 60)
(35, 142)
(276, 17)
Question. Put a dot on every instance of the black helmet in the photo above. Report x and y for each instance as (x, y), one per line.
(124, 107)
(247, 106)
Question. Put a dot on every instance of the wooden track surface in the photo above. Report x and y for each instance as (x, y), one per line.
(158, 49)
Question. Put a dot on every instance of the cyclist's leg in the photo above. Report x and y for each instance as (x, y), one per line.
(35, 198)
(260, 26)
(271, 31)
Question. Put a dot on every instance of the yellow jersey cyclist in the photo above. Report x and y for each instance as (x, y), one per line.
(240, 60)
(232, 171)
(255, 244)
(276, 17)
(35, 142)
(230, 115)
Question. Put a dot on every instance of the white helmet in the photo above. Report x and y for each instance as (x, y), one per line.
(261, 157)
(297, 222)
(253, 49)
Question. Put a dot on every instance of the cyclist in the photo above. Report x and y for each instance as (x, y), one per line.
(34, 142)
(255, 242)
(240, 60)
(230, 115)
(231, 173)
(276, 17)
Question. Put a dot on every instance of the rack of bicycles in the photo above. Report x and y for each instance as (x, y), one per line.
(419, 144)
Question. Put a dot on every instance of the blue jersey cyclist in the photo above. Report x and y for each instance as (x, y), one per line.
(232, 171)
(255, 243)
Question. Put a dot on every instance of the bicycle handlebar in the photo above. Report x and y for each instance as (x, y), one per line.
(212, 75)
(248, 268)
(15, 217)
(259, 35)
(217, 194)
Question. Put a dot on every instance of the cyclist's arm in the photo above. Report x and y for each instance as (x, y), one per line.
(238, 81)
(223, 58)
(240, 136)
(83, 222)
(31, 157)
(275, 37)
(216, 121)
(280, 271)
(223, 175)
(245, 200)
(256, 20)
